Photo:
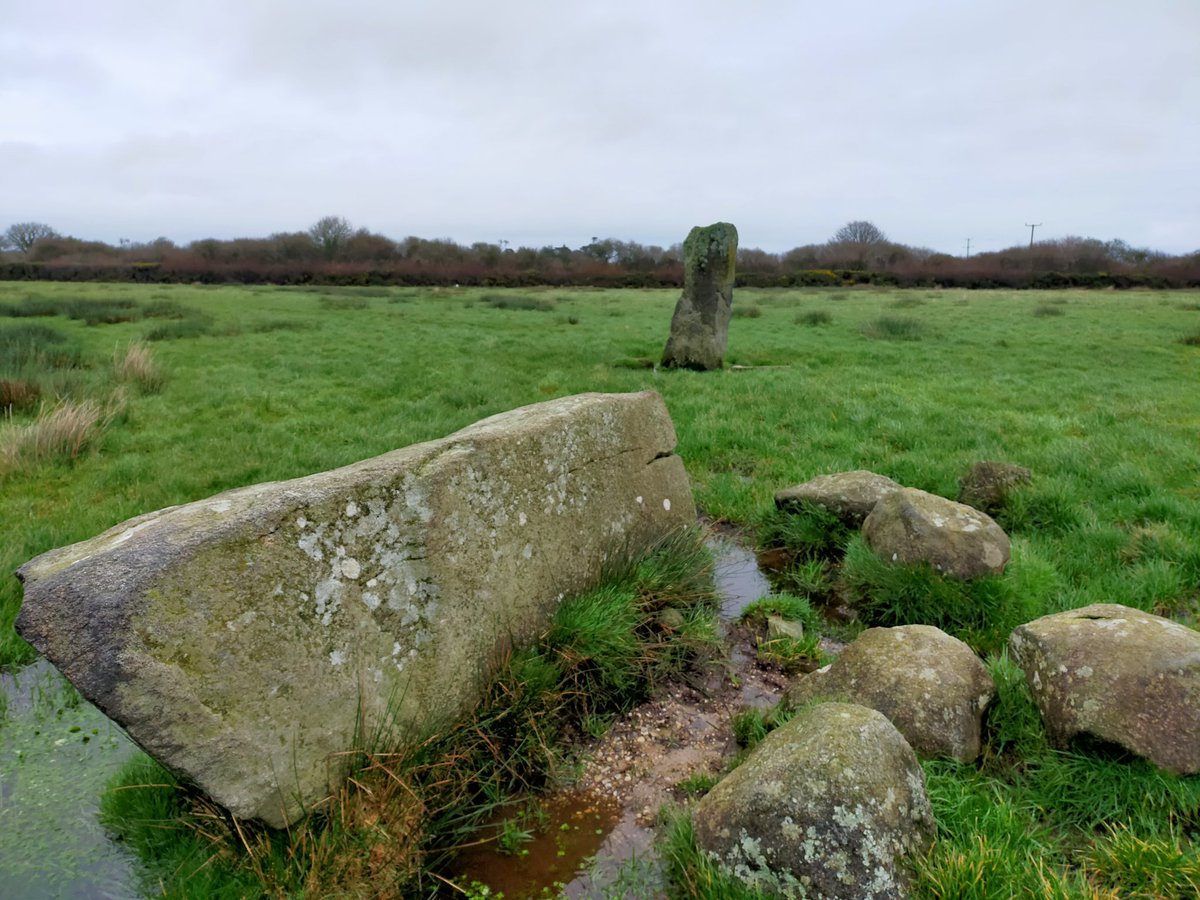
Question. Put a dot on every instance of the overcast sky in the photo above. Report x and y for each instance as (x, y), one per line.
(551, 121)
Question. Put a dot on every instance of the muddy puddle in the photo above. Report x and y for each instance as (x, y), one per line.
(542, 849)
(636, 767)
(57, 753)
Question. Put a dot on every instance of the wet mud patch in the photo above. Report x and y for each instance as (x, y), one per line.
(649, 757)
(538, 851)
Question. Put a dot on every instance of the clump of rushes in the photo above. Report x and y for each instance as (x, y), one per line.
(137, 365)
(815, 317)
(517, 301)
(805, 530)
(982, 612)
(59, 432)
(747, 312)
(896, 328)
(397, 820)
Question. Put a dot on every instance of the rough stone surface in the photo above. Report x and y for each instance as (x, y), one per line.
(910, 526)
(988, 485)
(700, 326)
(848, 495)
(826, 806)
(931, 686)
(1117, 674)
(238, 638)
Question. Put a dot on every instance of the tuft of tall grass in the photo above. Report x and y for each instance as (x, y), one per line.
(30, 307)
(1083, 789)
(1046, 309)
(166, 309)
(102, 312)
(137, 365)
(796, 609)
(18, 395)
(1040, 508)
(342, 302)
(1012, 723)
(516, 301)
(815, 317)
(36, 346)
(805, 529)
(1138, 867)
(59, 432)
(194, 326)
(982, 612)
(896, 328)
(1191, 340)
(754, 311)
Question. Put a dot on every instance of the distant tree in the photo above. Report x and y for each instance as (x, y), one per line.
(798, 258)
(330, 234)
(857, 245)
(206, 248)
(363, 246)
(295, 245)
(751, 259)
(23, 235)
(488, 254)
(862, 233)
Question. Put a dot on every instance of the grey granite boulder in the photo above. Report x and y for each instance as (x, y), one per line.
(930, 685)
(910, 526)
(848, 495)
(1119, 675)
(241, 639)
(700, 325)
(828, 805)
(987, 486)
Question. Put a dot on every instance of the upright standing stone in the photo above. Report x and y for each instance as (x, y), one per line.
(243, 639)
(700, 326)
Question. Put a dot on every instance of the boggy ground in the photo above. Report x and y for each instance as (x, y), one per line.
(684, 732)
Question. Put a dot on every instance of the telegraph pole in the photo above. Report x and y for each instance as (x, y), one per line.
(1031, 228)
(968, 248)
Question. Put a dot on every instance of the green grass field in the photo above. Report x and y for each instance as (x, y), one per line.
(1097, 393)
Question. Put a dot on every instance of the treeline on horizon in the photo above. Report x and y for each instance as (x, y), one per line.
(332, 252)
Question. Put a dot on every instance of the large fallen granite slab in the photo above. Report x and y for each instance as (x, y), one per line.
(239, 639)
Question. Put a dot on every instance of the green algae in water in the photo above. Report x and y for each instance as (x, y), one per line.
(57, 753)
